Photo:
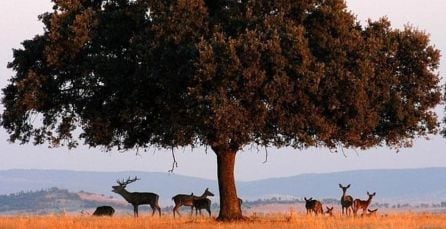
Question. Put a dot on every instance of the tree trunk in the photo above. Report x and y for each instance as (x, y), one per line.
(229, 204)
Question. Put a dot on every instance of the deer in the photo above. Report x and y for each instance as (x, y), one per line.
(187, 200)
(313, 206)
(104, 211)
(346, 200)
(371, 213)
(137, 198)
(362, 204)
(201, 203)
(329, 211)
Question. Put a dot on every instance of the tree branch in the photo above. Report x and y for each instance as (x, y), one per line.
(174, 163)
(266, 156)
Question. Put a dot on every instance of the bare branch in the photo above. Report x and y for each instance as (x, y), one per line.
(174, 163)
(342, 149)
(266, 155)
(354, 150)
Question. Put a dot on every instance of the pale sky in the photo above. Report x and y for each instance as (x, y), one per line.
(18, 21)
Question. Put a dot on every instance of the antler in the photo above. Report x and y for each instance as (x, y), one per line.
(128, 181)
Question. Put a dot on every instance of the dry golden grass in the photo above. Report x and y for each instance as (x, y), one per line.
(290, 220)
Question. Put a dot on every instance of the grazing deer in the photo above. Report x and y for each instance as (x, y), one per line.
(104, 211)
(346, 200)
(362, 204)
(137, 198)
(313, 206)
(201, 203)
(371, 213)
(329, 211)
(186, 200)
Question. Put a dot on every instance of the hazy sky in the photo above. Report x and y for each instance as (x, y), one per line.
(18, 21)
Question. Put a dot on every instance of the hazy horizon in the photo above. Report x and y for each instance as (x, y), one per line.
(18, 21)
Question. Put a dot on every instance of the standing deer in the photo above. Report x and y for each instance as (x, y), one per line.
(104, 211)
(137, 198)
(313, 206)
(362, 204)
(186, 200)
(346, 200)
(201, 203)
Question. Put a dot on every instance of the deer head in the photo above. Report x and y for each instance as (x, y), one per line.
(329, 210)
(344, 188)
(123, 184)
(372, 212)
(371, 195)
(307, 200)
(207, 192)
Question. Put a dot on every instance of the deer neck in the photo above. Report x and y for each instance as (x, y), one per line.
(126, 194)
(204, 195)
(369, 200)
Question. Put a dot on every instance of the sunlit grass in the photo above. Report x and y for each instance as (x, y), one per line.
(288, 220)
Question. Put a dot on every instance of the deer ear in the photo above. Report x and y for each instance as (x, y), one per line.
(374, 193)
(348, 186)
(305, 198)
(340, 185)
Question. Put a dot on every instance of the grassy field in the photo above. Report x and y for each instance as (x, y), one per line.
(289, 220)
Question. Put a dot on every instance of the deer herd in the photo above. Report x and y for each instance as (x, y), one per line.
(312, 206)
(347, 203)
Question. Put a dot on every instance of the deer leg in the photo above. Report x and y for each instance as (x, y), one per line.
(135, 210)
(153, 210)
(209, 211)
(175, 209)
(159, 209)
(192, 210)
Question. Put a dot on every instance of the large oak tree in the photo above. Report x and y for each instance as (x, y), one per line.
(223, 73)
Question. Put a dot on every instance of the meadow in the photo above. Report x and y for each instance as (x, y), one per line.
(274, 220)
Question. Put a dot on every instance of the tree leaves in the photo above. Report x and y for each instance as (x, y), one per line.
(224, 73)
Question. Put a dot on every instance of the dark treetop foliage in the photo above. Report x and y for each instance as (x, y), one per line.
(225, 73)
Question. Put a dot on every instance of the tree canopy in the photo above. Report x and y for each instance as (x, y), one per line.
(223, 73)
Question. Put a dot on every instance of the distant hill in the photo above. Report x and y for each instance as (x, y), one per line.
(54, 200)
(426, 185)
(165, 184)
(401, 185)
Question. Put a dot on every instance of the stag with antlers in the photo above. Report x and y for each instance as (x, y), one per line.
(346, 200)
(137, 198)
(187, 200)
(362, 204)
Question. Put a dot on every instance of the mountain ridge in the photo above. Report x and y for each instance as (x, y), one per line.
(417, 184)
